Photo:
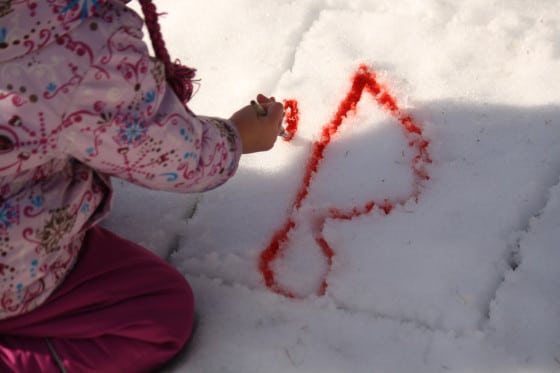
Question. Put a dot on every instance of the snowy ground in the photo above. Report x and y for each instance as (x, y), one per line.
(461, 276)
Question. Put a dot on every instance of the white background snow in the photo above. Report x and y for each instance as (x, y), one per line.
(466, 279)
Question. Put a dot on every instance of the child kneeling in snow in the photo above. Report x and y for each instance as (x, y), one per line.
(80, 101)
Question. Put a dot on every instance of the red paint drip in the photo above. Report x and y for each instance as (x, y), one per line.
(292, 118)
(363, 80)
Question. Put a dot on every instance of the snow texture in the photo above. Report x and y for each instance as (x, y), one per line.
(462, 274)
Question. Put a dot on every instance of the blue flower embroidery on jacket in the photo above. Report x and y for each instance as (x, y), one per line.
(185, 135)
(3, 34)
(37, 201)
(51, 87)
(132, 132)
(171, 176)
(150, 97)
(8, 215)
(33, 269)
(84, 6)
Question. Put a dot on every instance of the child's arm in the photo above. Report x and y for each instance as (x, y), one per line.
(125, 121)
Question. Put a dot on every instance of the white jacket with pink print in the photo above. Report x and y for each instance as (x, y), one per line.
(80, 101)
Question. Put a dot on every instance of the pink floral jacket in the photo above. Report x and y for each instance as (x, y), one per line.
(80, 101)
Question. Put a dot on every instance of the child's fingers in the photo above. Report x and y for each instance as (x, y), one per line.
(262, 99)
(275, 112)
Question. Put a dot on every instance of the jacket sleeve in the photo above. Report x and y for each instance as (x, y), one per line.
(126, 121)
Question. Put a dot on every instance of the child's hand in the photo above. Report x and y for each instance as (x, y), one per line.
(259, 132)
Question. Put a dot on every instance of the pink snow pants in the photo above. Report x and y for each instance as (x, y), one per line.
(121, 309)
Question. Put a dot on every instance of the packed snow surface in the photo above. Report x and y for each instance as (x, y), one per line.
(444, 242)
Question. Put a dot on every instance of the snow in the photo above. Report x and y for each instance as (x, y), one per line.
(462, 274)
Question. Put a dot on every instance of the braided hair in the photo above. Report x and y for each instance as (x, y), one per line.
(178, 76)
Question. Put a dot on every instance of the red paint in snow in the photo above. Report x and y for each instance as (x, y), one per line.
(363, 80)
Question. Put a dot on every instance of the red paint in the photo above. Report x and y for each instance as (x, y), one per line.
(363, 80)
(292, 118)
